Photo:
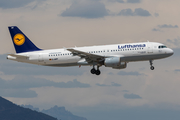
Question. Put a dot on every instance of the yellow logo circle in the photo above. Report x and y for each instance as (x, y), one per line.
(19, 39)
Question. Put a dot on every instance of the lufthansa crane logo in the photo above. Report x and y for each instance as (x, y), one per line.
(19, 39)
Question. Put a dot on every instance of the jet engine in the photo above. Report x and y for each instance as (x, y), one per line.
(115, 63)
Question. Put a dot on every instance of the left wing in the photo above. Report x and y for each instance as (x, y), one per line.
(88, 56)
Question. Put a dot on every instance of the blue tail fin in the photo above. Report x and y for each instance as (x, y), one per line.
(21, 41)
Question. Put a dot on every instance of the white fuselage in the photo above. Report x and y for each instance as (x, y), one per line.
(127, 52)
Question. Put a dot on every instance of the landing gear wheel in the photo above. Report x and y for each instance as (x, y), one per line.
(93, 71)
(152, 67)
(98, 72)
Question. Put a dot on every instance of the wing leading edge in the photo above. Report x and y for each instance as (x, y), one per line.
(88, 56)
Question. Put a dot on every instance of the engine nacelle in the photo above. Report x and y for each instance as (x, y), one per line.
(115, 63)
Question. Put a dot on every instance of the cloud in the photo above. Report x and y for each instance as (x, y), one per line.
(159, 27)
(5, 4)
(125, 91)
(156, 14)
(126, 12)
(126, 1)
(16, 68)
(129, 73)
(176, 53)
(177, 70)
(133, 1)
(137, 12)
(112, 84)
(120, 1)
(18, 93)
(115, 84)
(102, 85)
(86, 9)
(20, 87)
(154, 29)
(31, 82)
(175, 42)
(144, 112)
(168, 26)
(132, 96)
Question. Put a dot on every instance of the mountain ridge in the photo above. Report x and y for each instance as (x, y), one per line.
(11, 111)
(57, 112)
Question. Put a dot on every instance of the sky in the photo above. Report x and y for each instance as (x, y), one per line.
(132, 93)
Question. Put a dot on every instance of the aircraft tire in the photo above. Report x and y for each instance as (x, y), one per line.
(152, 67)
(98, 72)
(93, 71)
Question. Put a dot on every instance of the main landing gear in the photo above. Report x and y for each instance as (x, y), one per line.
(94, 71)
(152, 67)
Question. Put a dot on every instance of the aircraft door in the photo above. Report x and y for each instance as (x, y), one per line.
(150, 48)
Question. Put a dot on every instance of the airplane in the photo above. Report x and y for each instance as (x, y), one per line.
(115, 56)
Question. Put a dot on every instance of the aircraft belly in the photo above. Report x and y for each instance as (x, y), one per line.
(62, 61)
(62, 64)
(143, 57)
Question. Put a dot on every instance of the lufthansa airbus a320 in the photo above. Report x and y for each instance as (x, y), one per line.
(115, 56)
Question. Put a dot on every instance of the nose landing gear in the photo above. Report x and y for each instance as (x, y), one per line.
(152, 67)
(94, 71)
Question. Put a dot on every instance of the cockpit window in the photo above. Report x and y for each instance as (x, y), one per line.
(162, 46)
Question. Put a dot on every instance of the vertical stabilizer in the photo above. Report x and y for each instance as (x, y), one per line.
(21, 41)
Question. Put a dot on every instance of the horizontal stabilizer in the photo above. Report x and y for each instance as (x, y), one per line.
(18, 56)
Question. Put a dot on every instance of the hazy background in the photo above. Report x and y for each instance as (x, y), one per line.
(135, 92)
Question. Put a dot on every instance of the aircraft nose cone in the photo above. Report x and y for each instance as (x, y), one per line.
(170, 51)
